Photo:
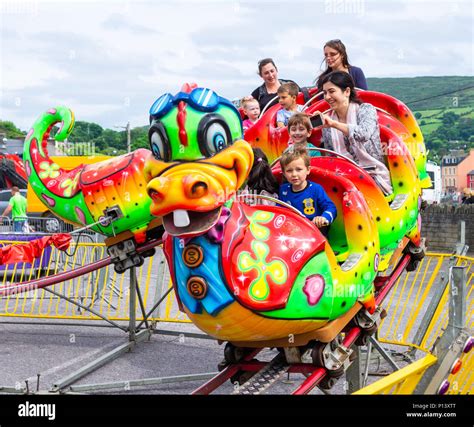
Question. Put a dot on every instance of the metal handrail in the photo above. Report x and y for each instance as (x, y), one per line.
(242, 197)
(323, 150)
(267, 106)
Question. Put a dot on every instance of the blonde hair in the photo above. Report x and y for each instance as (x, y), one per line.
(247, 100)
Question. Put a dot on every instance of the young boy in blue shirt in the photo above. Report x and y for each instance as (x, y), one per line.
(306, 196)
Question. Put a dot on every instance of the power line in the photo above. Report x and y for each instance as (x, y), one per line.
(441, 94)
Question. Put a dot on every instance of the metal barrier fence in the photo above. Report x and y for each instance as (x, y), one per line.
(103, 291)
(32, 224)
(418, 304)
(418, 311)
(403, 381)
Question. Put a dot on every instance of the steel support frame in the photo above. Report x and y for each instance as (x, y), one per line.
(449, 346)
(127, 385)
(135, 336)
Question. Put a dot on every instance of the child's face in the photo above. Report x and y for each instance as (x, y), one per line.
(252, 109)
(298, 133)
(296, 173)
(286, 100)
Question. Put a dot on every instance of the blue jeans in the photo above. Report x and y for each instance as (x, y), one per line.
(18, 226)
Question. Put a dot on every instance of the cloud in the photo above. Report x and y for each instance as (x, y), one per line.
(119, 23)
(109, 60)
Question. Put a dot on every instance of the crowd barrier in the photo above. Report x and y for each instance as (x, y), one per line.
(31, 224)
(104, 291)
(418, 311)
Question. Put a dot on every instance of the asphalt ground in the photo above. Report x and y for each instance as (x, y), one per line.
(56, 351)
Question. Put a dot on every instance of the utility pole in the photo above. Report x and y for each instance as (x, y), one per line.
(129, 136)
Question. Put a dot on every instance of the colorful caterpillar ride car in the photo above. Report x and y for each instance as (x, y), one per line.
(245, 273)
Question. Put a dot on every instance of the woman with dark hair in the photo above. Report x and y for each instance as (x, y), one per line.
(336, 59)
(352, 128)
(261, 180)
(268, 71)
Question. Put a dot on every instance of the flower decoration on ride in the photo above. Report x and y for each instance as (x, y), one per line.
(69, 185)
(49, 170)
(275, 270)
(259, 231)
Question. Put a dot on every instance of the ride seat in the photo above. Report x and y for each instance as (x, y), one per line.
(398, 159)
(335, 187)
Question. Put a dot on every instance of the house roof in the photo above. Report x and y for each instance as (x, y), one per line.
(453, 161)
(12, 146)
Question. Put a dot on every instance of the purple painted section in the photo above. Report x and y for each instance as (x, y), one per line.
(468, 346)
(444, 387)
(52, 111)
(18, 237)
(49, 200)
(80, 215)
(28, 168)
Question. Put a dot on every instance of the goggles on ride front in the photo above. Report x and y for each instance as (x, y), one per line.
(201, 99)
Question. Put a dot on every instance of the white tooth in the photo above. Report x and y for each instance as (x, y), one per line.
(181, 218)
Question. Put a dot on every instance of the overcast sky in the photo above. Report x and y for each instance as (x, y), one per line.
(109, 60)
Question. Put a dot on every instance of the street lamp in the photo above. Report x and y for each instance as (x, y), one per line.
(129, 138)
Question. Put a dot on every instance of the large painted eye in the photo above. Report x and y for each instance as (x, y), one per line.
(159, 142)
(157, 146)
(213, 135)
(216, 138)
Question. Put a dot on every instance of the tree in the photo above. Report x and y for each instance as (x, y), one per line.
(11, 130)
(449, 118)
(418, 115)
(85, 132)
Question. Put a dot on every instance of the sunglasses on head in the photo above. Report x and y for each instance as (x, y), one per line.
(201, 99)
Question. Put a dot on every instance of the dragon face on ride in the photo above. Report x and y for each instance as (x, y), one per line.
(199, 159)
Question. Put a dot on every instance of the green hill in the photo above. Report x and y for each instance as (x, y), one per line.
(443, 106)
(428, 93)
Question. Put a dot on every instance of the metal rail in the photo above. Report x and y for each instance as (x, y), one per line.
(67, 275)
